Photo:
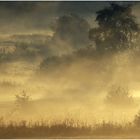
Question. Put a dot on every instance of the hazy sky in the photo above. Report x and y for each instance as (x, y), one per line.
(19, 16)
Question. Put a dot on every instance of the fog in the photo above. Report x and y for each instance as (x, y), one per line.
(51, 59)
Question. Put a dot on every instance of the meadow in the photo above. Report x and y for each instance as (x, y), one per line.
(68, 129)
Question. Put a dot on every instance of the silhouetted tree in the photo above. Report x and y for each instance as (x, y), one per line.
(119, 96)
(117, 28)
(71, 28)
(22, 100)
(136, 120)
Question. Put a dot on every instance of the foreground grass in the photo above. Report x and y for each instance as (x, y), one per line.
(67, 129)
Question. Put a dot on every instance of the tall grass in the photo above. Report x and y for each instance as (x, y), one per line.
(67, 128)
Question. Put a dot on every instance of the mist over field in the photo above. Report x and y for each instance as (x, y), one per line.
(63, 60)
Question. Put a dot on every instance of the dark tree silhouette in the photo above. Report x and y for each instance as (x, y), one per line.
(119, 96)
(117, 28)
(71, 28)
(22, 100)
(137, 119)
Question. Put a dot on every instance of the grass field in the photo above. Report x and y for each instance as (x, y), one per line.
(68, 129)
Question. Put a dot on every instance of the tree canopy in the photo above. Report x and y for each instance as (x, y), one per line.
(22, 100)
(117, 29)
(71, 28)
(118, 95)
